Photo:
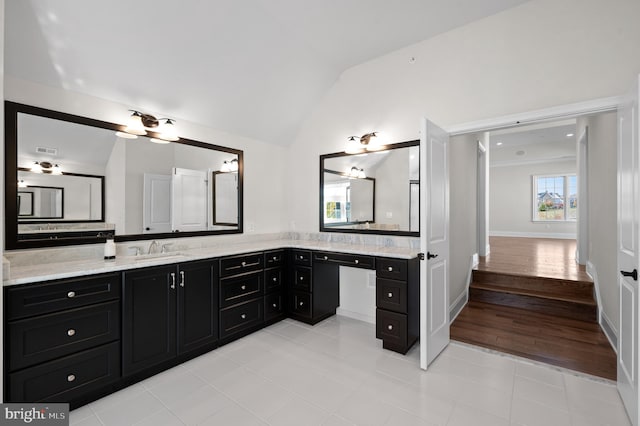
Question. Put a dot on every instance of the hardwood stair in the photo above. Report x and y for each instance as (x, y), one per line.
(559, 297)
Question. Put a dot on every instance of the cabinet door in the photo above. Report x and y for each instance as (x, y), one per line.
(197, 305)
(149, 321)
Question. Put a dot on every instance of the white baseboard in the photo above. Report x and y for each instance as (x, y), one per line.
(356, 315)
(559, 235)
(475, 260)
(463, 298)
(605, 323)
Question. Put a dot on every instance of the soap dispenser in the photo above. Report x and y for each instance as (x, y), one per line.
(109, 249)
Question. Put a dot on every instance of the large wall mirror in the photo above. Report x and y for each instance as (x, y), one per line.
(372, 192)
(71, 180)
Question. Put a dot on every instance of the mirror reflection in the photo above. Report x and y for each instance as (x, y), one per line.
(373, 192)
(75, 177)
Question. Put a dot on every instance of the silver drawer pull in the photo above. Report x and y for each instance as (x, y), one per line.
(244, 263)
(390, 295)
(181, 278)
(390, 327)
(71, 332)
(71, 294)
(275, 279)
(71, 377)
(390, 268)
(244, 287)
(275, 305)
(243, 316)
(356, 261)
(173, 280)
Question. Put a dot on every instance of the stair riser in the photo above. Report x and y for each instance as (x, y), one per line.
(559, 308)
(551, 287)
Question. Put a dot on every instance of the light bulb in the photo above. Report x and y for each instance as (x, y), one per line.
(159, 141)
(36, 167)
(168, 131)
(353, 146)
(22, 184)
(56, 170)
(135, 126)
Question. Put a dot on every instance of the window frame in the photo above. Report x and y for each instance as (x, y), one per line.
(565, 197)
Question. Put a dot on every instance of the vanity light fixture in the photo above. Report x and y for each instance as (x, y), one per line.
(368, 141)
(22, 184)
(229, 166)
(46, 167)
(139, 123)
(357, 173)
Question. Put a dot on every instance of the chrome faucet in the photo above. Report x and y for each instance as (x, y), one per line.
(153, 244)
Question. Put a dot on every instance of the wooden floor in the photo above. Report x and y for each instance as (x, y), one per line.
(560, 340)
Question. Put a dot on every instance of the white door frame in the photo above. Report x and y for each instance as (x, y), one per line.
(582, 246)
(483, 197)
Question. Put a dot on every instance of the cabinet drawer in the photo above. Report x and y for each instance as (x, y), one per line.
(352, 260)
(302, 278)
(391, 327)
(240, 317)
(46, 337)
(396, 269)
(300, 304)
(301, 257)
(237, 289)
(274, 258)
(273, 280)
(391, 295)
(240, 264)
(67, 378)
(273, 306)
(52, 296)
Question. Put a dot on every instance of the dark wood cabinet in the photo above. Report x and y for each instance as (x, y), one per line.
(397, 303)
(275, 285)
(314, 291)
(63, 339)
(168, 311)
(149, 317)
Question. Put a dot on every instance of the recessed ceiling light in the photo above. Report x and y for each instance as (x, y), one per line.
(498, 143)
(412, 60)
(569, 135)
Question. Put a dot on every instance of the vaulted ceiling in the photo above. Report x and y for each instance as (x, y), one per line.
(255, 68)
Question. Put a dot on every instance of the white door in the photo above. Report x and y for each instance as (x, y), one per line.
(628, 251)
(434, 242)
(189, 201)
(225, 198)
(156, 204)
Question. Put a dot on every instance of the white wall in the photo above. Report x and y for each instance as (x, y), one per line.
(463, 192)
(511, 201)
(602, 227)
(540, 54)
(265, 164)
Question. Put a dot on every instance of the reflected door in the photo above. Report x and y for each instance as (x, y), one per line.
(189, 200)
(156, 204)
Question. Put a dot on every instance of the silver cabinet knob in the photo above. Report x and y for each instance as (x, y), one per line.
(244, 287)
(71, 294)
(244, 263)
(275, 279)
(390, 268)
(390, 327)
(71, 332)
(71, 377)
(301, 303)
(275, 258)
(243, 316)
(326, 258)
(301, 257)
(356, 261)
(275, 305)
(390, 295)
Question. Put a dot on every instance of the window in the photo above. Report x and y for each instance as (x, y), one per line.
(555, 198)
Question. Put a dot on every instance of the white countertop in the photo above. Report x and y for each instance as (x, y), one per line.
(52, 271)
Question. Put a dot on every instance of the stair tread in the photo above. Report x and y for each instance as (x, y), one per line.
(534, 293)
(480, 273)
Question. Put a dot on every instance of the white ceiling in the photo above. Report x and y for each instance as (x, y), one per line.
(253, 67)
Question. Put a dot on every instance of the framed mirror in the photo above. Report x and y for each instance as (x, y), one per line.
(374, 192)
(72, 180)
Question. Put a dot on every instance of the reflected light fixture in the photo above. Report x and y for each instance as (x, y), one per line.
(357, 173)
(45, 167)
(139, 123)
(22, 184)
(229, 166)
(368, 142)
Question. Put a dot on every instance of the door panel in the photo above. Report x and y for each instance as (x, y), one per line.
(434, 243)
(189, 204)
(156, 204)
(628, 251)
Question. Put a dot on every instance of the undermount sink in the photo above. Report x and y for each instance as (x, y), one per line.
(163, 256)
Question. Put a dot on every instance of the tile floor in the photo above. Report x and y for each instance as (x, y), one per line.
(336, 373)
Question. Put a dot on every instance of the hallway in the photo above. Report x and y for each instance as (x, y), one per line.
(529, 298)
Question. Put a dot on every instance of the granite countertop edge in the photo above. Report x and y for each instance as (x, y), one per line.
(52, 271)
